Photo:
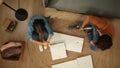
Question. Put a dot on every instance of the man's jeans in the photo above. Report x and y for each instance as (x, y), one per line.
(92, 35)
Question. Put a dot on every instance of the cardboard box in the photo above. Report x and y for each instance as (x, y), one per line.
(9, 25)
(15, 59)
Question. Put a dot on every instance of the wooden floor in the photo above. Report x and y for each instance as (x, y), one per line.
(32, 58)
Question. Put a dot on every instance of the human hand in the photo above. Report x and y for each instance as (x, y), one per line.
(92, 42)
(45, 43)
(81, 29)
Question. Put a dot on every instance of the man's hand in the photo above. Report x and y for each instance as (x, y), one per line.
(92, 42)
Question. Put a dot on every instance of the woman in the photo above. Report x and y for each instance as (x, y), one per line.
(39, 31)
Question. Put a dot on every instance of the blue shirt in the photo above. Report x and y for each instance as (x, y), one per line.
(31, 29)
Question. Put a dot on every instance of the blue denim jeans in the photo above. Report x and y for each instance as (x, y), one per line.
(92, 35)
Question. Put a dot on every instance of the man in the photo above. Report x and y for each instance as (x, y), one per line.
(100, 31)
(102, 34)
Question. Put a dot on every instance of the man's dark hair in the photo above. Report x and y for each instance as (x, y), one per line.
(104, 42)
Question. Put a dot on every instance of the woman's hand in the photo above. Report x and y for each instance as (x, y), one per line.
(81, 29)
(45, 43)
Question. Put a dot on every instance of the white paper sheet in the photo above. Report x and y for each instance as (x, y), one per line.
(85, 62)
(69, 64)
(72, 43)
(82, 62)
(57, 38)
(58, 51)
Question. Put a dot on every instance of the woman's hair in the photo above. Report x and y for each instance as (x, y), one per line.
(39, 27)
(104, 42)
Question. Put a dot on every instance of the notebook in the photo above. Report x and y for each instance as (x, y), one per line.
(81, 62)
(72, 43)
(58, 51)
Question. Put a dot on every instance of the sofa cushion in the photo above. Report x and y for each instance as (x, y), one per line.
(105, 8)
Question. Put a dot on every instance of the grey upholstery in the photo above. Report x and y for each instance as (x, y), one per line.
(107, 8)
